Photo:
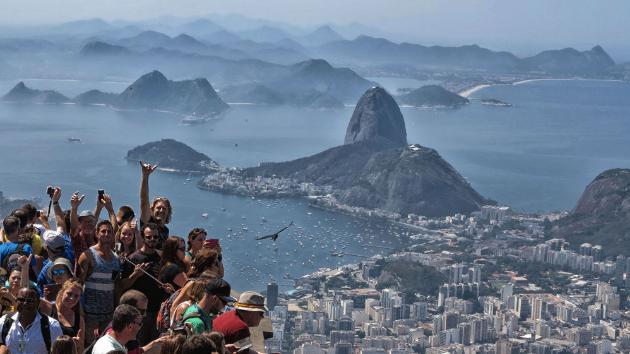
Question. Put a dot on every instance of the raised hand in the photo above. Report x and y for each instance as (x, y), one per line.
(56, 195)
(147, 169)
(107, 202)
(76, 200)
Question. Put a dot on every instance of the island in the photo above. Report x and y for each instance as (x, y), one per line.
(494, 102)
(375, 172)
(23, 94)
(432, 96)
(173, 156)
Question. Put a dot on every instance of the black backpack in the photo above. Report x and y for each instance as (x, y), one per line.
(44, 324)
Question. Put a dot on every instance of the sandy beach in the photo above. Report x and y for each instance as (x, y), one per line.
(466, 93)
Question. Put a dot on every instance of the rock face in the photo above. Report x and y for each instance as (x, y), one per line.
(570, 61)
(376, 169)
(154, 91)
(432, 96)
(377, 116)
(602, 214)
(96, 97)
(173, 156)
(21, 93)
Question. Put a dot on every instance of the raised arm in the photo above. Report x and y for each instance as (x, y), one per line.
(75, 201)
(145, 208)
(60, 221)
(107, 203)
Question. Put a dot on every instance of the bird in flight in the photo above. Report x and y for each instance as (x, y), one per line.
(274, 236)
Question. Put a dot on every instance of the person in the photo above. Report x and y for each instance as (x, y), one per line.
(64, 345)
(193, 294)
(234, 325)
(82, 230)
(196, 238)
(214, 244)
(200, 315)
(59, 272)
(34, 240)
(11, 228)
(126, 323)
(27, 331)
(147, 256)
(173, 344)
(55, 248)
(198, 344)
(67, 310)
(139, 301)
(219, 341)
(159, 212)
(173, 268)
(32, 218)
(125, 214)
(99, 269)
(128, 238)
(205, 263)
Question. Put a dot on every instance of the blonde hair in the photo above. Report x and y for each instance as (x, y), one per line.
(68, 284)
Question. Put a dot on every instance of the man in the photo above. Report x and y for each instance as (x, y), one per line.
(82, 225)
(148, 255)
(201, 314)
(126, 323)
(159, 212)
(11, 229)
(99, 269)
(55, 247)
(139, 301)
(27, 331)
(234, 325)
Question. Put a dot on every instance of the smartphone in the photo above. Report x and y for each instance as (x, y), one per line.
(101, 192)
(53, 290)
(50, 191)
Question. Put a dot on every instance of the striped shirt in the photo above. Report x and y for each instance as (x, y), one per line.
(98, 295)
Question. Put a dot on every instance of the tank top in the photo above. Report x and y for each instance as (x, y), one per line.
(71, 331)
(98, 295)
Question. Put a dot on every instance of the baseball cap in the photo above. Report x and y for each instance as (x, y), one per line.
(85, 213)
(54, 240)
(220, 288)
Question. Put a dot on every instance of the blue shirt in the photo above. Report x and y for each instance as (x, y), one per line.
(42, 278)
(7, 248)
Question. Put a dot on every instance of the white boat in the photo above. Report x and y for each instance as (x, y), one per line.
(204, 215)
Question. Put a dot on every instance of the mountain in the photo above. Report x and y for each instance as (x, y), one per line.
(317, 74)
(570, 61)
(154, 91)
(220, 37)
(146, 39)
(375, 169)
(98, 48)
(96, 97)
(264, 34)
(320, 36)
(376, 116)
(173, 156)
(431, 96)
(365, 50)
(200, 28)
(21, 93)
(602, 214)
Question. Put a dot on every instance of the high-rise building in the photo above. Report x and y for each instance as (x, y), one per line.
(272, 295)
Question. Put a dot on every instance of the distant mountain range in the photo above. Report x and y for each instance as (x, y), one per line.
(152, 91)
(602, 214)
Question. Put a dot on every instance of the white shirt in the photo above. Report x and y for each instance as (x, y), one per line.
(29, 340)
(106, 344)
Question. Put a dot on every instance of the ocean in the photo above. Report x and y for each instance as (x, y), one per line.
(537, 155)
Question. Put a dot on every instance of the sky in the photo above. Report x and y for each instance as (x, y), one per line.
(524, 27)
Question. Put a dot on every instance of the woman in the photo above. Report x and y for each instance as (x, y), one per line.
(173, 344)
(67, 310)
(196, 237)
(173, 269)
(59, 272)
(219, 341)
(126, 236)
(64, 345)
(206, 262)
(192, 293)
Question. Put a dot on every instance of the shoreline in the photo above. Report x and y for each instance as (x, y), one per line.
(469, 91)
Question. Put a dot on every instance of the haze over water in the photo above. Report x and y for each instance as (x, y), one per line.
(537, 155)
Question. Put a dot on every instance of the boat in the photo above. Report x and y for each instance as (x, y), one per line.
(74, 140)
(204, 215)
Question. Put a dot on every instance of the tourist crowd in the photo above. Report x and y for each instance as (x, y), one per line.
(123, 284)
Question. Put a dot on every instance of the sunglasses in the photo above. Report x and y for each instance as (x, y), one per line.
(58, 272)
(25, 300)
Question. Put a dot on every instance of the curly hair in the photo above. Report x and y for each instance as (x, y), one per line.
(168, 205)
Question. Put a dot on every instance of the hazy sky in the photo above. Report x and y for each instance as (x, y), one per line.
(525, 25)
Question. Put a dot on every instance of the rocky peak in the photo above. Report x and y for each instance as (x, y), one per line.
(608, 195)
(376, 116)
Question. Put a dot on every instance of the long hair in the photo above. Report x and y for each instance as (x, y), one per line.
(193, 234)
(63, 345)
(68, 284)
(169, 253)
(132, 248)
(173, 344)
(204, 259)
(168, 204)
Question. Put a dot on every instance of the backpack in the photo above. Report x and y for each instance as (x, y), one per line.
(164, 315)
(195, 314)
(44, 324)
